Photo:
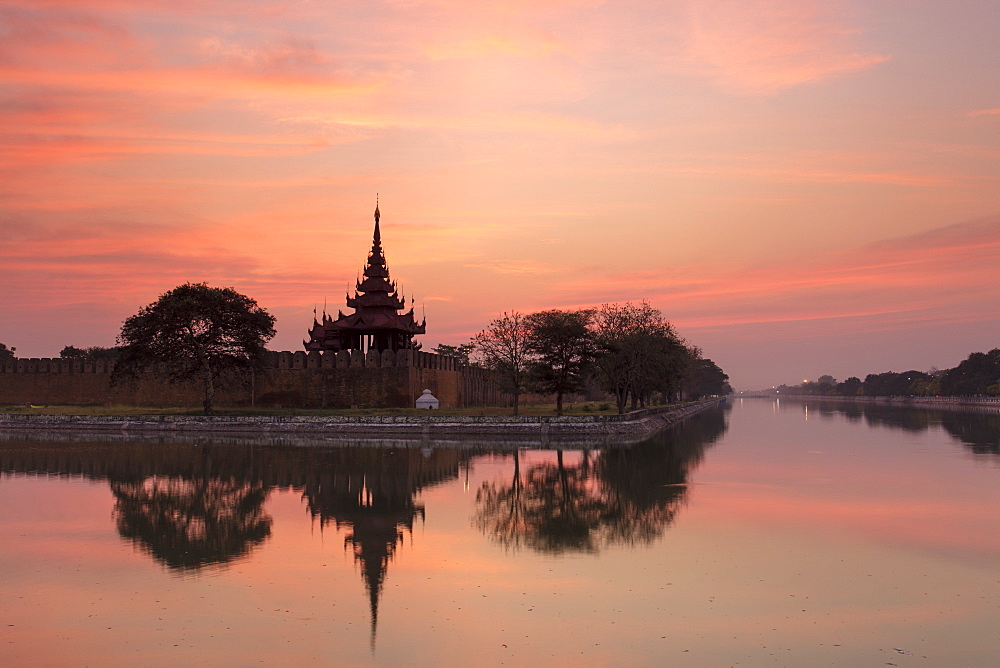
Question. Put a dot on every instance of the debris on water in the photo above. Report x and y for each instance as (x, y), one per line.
(900, 651)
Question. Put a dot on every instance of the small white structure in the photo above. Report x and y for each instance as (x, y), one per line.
(427, 400)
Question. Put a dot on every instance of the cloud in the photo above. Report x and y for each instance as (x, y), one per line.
(764, 46)
(942, 274)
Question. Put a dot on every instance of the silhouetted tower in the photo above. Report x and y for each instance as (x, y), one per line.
(377, 322)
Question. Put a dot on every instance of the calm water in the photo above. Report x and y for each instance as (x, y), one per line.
(762, 534)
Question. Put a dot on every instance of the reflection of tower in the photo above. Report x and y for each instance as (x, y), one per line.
(370, 492)
(377, 531)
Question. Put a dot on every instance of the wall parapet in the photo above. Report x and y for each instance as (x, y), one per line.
(299, 359)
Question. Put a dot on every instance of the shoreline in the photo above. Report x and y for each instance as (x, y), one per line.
(636, 424)
(943, 403)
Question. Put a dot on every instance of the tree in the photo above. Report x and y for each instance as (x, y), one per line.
(706, 379)
(894, 384)
(7, 354)
(196, 332)
(503, 347)
(975, 375)
(634, 351)
(563, 347)
(849, 387)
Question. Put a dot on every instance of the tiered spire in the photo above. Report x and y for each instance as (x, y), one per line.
(376, 321)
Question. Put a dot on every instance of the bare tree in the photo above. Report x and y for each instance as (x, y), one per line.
(638, 351)
(502, 346)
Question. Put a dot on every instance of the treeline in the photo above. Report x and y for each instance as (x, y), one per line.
(978, 374)
(627, 350)
(91, 354)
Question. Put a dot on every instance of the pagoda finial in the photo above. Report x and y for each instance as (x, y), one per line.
(377, 237)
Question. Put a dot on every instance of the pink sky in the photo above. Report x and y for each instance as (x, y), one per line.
(801, 187)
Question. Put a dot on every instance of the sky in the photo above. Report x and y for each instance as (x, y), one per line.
(801, 187)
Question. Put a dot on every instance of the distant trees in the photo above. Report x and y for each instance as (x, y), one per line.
(503, 347)
(195, 332)
(91, 354)
(849, 387)
(891, 383)
(977, 374)
(461, 351)
(6, 354)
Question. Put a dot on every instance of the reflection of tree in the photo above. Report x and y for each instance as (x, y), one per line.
(626, 495)
(979, 431)
(191, 523)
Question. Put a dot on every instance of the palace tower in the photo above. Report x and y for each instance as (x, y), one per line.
(378, 322)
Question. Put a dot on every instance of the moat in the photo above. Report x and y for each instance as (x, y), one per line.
(759, 533)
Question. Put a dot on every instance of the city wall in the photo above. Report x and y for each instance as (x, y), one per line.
(290, 379)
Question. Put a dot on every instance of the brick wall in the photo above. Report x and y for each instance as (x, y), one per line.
(292, 379)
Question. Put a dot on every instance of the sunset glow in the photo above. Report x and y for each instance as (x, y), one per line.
(802, 187)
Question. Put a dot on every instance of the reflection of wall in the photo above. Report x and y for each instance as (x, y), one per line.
(293, 379)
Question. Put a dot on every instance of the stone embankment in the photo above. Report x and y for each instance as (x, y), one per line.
(633, 425)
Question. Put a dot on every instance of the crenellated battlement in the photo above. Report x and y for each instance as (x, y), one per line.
(276, 360)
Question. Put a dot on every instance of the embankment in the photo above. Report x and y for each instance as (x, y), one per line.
(630, 426)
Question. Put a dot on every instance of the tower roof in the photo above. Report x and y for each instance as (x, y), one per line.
(377, 305)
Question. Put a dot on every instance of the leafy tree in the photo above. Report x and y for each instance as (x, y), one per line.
(503, 347)
(926, 387)
(563, 347)
(7, 354)
(827, 380)
(893, 384)
(196, 332)
(461, 351)
(706, 378)
(975, 375)
(849, 387)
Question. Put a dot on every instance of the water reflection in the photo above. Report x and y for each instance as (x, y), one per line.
(614, 496)
(977, 429)
(201, 504)
(370, 492)
(191, 523)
